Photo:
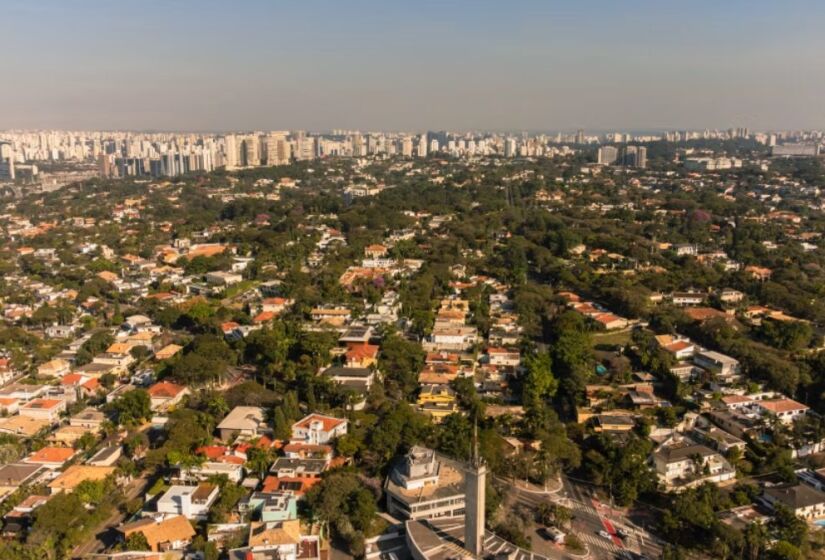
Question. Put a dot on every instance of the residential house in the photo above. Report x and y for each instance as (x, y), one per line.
(318, 429)
(164, 395)
(23, 426)
(72, 477)
(14, 475)
(272, 506)
(171, 533)
(246, 421)
(682, 464)
(362, 355)
(800, 499)
(50, 457)
(294, 475)
(785, 410)
(192, 502)
(437, 401)
(54, 368)
(44, 409)
(725, 368)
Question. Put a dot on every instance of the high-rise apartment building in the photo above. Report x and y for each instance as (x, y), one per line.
(422, 146)
(406, 147)
(607, 155)
(635, 156)
(510, 147)
(277, 149)
(252, 150)
(231, 152)
(641, 157)
(7, 161)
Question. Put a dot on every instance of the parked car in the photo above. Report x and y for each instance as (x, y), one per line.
(605, 534)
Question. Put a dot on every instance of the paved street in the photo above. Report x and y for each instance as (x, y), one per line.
(103, 537)
(590, 517)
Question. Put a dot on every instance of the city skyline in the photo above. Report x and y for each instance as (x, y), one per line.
(525, 66)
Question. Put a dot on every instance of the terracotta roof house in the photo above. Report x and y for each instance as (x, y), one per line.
(165, 394)
(172, 533)
(318, 429)
(76, 474)
(51, 457)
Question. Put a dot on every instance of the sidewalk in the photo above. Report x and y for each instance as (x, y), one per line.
(552, 486)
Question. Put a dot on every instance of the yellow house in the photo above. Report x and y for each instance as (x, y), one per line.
(437, 401)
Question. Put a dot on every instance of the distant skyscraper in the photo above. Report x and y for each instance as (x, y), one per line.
(277, 149)
(231, 152)
(422, 146)
(641, 157)
(105, 165)
(252, 150)
(510, 147)
(635, 156)
(358, 148)
(406, 147)
(7, 161)
(304, 147)
(580, 137)
(629, 158)
(607, 155)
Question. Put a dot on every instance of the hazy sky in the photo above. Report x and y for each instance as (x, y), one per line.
(411, 64)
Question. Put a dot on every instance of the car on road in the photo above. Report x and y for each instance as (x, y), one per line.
(552, 534)
(622, 533)
(605, 534)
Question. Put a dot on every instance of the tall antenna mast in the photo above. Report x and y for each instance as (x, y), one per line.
(475, 458)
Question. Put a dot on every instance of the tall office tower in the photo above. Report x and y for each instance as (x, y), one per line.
(252, 149)
(277, 148)
(641, 157)
(771, 139)
(607, 155)
(580, 136)
(510, 147)
(433, 146)
(422, 146)
(6, 161)
(406, 146)
(231, 151)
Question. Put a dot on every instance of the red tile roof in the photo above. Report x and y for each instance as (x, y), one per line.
(51, 455)
(165, 389)
(329, 422)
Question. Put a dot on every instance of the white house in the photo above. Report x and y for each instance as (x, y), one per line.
(193, 502)
(317, 429)
(683, 464)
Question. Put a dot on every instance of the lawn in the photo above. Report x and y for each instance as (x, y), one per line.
(619, 338)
